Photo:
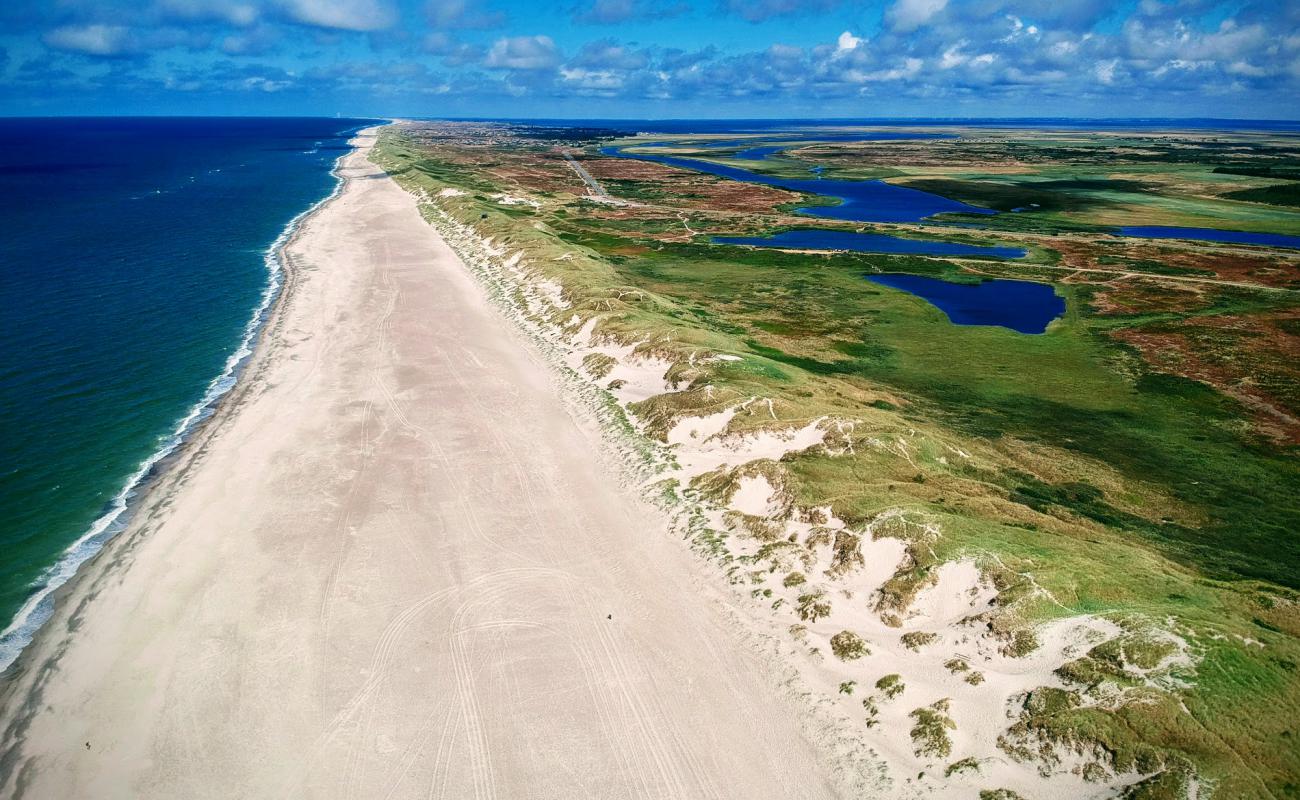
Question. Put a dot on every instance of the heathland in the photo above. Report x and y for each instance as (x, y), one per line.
(1061, 562)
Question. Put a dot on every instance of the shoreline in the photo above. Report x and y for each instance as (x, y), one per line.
(934, 643)
(38, 608)
(392, 522)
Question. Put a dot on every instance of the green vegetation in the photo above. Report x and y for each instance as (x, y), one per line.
(1282, 194)
(918, 639)
(930, 730)
(1134, 460)
(848, 646)
(965, 765)
(891, 686)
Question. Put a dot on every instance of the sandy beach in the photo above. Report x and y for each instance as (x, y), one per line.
(395, 565)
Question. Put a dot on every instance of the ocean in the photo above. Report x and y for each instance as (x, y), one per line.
(135, 266)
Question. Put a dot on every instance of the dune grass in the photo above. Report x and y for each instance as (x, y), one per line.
(1121, 490)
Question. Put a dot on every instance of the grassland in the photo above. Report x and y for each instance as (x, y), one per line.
(1138, 461)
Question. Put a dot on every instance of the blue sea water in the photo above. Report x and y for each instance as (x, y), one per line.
(1211, 235)
(134, 268)
(812, 239)
(1022, 306)
(859, 201)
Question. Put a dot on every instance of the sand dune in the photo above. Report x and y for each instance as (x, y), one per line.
(395, 566)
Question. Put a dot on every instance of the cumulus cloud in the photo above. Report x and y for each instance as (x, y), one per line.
(1105, 70)
(608, 54)
(94, 40)
(345, 15)
(255, 41)
(908, 15)
(995, 55)
(909, 68)
(523, 53)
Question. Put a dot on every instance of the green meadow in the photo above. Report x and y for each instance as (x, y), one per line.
(1122, 490)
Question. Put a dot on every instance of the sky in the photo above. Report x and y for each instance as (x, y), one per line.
(653, 58)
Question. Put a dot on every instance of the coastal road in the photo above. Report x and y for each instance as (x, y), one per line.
(587, 177)
(394, 566)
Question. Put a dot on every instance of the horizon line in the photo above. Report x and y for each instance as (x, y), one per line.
(488, 118)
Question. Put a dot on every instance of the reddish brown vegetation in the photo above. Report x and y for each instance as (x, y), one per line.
(1251, 359)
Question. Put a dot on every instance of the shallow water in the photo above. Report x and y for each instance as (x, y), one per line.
(868, 243)
(1022, 306)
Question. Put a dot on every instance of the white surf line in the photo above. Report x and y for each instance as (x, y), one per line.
(40, 604)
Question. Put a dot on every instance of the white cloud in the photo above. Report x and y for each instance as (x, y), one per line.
(910, 67)
(953, 57)
(346, 15)
(907, 15)
(1105, 70)
(262, 84)
(847, 42)
(95, 40)
(594, 81)
(523, 53)
(1018, 29)
(1245, 69)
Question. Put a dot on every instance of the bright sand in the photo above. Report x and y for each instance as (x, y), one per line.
(387, 568)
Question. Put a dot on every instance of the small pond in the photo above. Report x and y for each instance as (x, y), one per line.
(1022, 306)
(809, 239)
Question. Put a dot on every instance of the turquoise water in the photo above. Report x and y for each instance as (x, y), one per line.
(812, 239)
(1022, 306)
(135, 265)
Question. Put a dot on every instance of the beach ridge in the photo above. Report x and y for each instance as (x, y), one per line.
(375, 564)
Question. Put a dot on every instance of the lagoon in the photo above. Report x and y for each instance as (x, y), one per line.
(860, 201)
(1022, 306)
(813, 239)
(1211, 235)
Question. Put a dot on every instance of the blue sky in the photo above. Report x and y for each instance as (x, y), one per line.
(652, 58)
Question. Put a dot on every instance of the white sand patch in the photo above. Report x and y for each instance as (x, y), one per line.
(512, 200)
(583, 337)
(698, 429)
(731, 451)
(958, 592)
(450, 192)
(881, 559)
(553, 292)
(753, 496)
(641, 378)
